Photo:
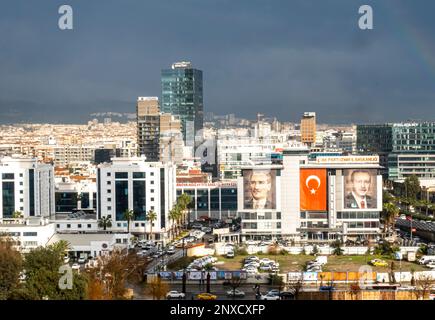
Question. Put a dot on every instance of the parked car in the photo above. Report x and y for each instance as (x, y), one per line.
(206, 296)
(379, 263)
(235, 293)
(81, 260)
(196, 226)
(274, 292)
(66, 259)
(269, 297)
(171, 250)
(75, 266)
(287, 295)
(230, 254)
(175, 295)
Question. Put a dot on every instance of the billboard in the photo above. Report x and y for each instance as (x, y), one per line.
(259, 189)
(360, 189)
(313, 189)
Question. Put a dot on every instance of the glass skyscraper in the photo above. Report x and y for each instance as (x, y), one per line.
(182, 95)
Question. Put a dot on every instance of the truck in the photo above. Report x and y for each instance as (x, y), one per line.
(322, 260)
(425, 259)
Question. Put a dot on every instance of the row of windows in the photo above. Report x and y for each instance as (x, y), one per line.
(264, 225)
(357, 215)
(124, 175)
(25, 234)
(363, 225)
(79, 226)
(265, 216)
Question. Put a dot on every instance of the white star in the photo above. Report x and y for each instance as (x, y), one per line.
(313, 191)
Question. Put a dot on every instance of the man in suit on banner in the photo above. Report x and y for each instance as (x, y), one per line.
(358, 198)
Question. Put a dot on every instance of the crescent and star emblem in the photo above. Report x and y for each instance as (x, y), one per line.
(317, 179)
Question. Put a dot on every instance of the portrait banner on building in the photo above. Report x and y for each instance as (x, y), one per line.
(313, 189)
(360, 189)
(259, 189)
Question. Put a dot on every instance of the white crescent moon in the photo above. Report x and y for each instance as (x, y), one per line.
(313, 178)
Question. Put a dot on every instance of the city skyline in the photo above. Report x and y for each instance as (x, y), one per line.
(286, 57)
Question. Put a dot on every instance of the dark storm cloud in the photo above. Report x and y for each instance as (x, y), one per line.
(277, 57)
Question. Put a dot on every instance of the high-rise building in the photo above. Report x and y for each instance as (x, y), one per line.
(27, 187)
(308, 128)
(182, 95)
(133, 184)
(171, 139)
(405, 149)
(148, 127)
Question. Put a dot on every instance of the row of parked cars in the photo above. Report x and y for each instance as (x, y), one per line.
(200, 264)
(253, 264)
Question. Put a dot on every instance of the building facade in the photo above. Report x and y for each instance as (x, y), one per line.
(134, 184)
(148, 127)
(27, 187)
(308, 128)
(311, 201)
(182, 95)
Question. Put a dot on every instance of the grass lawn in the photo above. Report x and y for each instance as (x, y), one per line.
(294, 263)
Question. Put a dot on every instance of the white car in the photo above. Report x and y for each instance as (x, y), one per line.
(235, 293)
(265, 261)
(175, 295)
(81, 260)
(230, 254)
(269, 297)
(75, 266)
(266, 268)
(66, 259)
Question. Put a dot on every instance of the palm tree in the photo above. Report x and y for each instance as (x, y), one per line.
(151, 217)
(184, 202)
(128, 215)
(105, 222)
(391, 211)
(173, 216)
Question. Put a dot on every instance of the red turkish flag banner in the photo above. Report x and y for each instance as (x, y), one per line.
(313, 189)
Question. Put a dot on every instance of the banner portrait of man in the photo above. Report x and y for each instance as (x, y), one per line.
(259, 189)
(360, 189)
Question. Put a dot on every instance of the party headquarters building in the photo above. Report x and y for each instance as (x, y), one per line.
(311, 201)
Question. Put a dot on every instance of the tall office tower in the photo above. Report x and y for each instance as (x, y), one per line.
(148, 127)
(308, 128)
(182, 95)
(27, 187)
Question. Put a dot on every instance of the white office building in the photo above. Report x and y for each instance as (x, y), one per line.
(134, 184)
(27, 187)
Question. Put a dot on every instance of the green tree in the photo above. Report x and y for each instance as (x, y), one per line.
(128, 216)
(105, 222)
(412, 187)
(11, 264)
(17, 214)
(184, 202)
(173, 216)
(151, 217)
(390, 213)
(42, 267)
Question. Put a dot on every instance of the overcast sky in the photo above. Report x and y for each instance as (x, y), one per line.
(280, 58)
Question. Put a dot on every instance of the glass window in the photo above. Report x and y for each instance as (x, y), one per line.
(138, 175)
(202, 199)
(229, 198)
(30, 234)
(8, 176)
(139, 200)
(121, 175)
(121, 198)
